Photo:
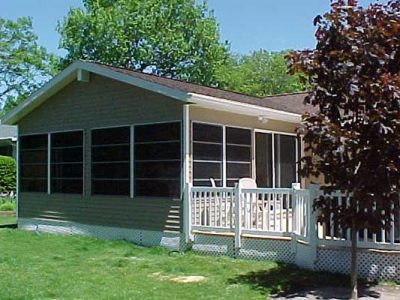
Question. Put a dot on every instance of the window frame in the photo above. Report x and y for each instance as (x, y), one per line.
(132, 156)
(224, 148)
(133, 160)
(252, 149)
(273, 133)
(49, 157)
(90, 179)
(19, 166)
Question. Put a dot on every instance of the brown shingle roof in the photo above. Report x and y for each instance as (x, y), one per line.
(292, 103)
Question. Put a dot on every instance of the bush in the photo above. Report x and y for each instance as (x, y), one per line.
(7, 206)
(7, 175)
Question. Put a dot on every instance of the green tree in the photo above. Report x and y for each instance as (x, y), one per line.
(261, 73)
(354, 137)
(171, 38)
(24, 65)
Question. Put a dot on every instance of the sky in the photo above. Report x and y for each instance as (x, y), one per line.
(248, 25)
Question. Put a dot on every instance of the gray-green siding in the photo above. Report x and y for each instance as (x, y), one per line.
(101, 103)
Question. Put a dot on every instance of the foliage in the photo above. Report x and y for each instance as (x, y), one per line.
(7, 174)
(24, 65)
(7, 204)
(261, 73)
(354, 138)
(171, 38)
(71, 267)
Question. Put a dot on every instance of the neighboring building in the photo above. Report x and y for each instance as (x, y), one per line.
(103, 147)
(8, 139)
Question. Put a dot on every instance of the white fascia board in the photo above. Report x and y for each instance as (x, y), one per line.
(141, 83)
(244, 108)
(70, 74)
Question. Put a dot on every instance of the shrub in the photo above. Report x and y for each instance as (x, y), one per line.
(7, 175)
(7, 206)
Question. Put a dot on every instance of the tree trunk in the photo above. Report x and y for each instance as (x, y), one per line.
(353, 269)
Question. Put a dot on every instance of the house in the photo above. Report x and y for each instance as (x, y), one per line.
(105, 146)
(125, 155)
(8, 139)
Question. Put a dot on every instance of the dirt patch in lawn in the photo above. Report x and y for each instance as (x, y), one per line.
(180, 279)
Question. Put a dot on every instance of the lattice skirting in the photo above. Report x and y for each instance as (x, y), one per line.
(372, 265)
(173, 241)
(252, 248)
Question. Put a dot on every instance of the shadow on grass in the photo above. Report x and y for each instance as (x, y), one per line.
(288, 281)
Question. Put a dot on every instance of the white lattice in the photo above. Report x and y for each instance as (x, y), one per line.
(213, 244)
(266, 249)
(371, 265)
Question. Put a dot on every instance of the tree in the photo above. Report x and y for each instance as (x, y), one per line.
(259, 74)
(354, 138)
(24, 65)
(171, 38)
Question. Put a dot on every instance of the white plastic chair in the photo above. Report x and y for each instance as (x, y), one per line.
(249, 183)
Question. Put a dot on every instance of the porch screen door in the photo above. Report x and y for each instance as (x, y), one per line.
(275, 160)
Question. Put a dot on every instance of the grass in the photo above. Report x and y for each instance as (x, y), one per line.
(7, 219)
(41, 266)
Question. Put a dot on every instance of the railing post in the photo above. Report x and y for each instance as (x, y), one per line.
(238, 218)
(295, 207)
(187, 213)
(312, 226)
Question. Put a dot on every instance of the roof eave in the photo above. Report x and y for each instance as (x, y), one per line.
(244, 108)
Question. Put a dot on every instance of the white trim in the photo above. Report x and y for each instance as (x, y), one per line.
(49, 163)
(224, 164)
(243, 108)
(18, 179)
(132, 161)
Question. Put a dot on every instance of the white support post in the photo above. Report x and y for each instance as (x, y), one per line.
(187, 213)
(17, 158)
(186, 182)
(312, 228)
(238, 218)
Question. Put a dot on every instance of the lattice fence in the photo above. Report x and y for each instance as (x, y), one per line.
(371, 265)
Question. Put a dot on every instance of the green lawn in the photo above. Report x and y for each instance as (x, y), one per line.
(41, 266)
(7, 220)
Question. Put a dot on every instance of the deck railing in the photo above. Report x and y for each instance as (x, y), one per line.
(261, 211)
(281, 212)
(330, 232)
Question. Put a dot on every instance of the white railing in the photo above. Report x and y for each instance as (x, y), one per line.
(212, 208)
(330, 232)
(278, 212)
(261, 211)
(266, 210)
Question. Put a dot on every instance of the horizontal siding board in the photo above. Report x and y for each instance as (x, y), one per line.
(126, 215)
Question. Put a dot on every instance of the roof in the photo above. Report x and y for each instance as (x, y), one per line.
(8, 132)
(292, 102)
(287, 107)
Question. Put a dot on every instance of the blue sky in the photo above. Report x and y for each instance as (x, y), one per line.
(247, 24)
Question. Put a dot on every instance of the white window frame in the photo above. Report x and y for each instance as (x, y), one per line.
(224, 160)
